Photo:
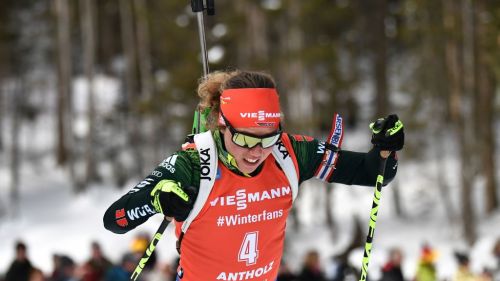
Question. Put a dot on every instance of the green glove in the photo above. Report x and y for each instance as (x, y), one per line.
(170, 199)
(388, 133)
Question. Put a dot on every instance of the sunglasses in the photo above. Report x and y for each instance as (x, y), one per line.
(247, 140)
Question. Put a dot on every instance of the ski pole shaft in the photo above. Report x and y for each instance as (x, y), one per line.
(197, 6)
(373, 219)
(204, 59)
(203, 43)
(149, 250)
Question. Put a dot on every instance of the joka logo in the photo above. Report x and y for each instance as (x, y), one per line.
(282, 150)
(205, 164)
(121, 220)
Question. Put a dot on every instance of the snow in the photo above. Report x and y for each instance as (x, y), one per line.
(51, 219)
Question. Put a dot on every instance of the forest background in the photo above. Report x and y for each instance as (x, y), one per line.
(102, 91)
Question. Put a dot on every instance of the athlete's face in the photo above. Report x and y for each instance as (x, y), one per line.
(248, 159)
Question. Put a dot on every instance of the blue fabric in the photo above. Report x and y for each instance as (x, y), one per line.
(117, 273)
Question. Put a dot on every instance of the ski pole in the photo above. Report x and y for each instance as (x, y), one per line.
(150, 249)
(373, 219)
(197, 7)
(377, 128)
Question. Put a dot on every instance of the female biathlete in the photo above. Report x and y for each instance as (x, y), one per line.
(231, 188)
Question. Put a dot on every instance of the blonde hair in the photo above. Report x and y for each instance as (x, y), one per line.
(211, 87)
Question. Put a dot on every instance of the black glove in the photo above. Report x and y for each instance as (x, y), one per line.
(173, 200)
(388, 133)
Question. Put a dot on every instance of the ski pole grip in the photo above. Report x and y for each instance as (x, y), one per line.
(197, 6)
(210, 7)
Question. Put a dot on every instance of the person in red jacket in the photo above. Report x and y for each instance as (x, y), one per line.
(311, 269)
(392, 271)
(233, 186)
(95, 268)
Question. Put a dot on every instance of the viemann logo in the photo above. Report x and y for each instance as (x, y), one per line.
(261, 115)
(242, 198)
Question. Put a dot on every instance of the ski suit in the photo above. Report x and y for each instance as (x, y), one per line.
(239, 232)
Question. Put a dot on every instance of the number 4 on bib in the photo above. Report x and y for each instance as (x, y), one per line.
(248, 250)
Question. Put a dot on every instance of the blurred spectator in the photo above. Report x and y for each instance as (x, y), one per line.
(285, 274)
(21, 267)
(496, 254)
(175, 267)
(463, 272)
(311, 270)
(426, 269)
(486, 275)
(339, 269)
(36, 275)
(138, 247)
(123, 271)
(163, 273)
(391, 271)
(97, 266)
(64, 269)
(57, 271)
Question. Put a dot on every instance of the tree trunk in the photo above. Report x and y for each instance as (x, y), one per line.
(380, 59)
(88, 37)
(442, 183)
(330, 221)
(465, 127)
(2, 114)
(145, 70)
(396, 198)
(63, 80)
(454, 64)
(17, 92)
(460, 70)
(256, 29)
(486, 86)
(253, 47)
(467, 180)
(128, 42)
(144, 49)
(300, 100)
(106, 38)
